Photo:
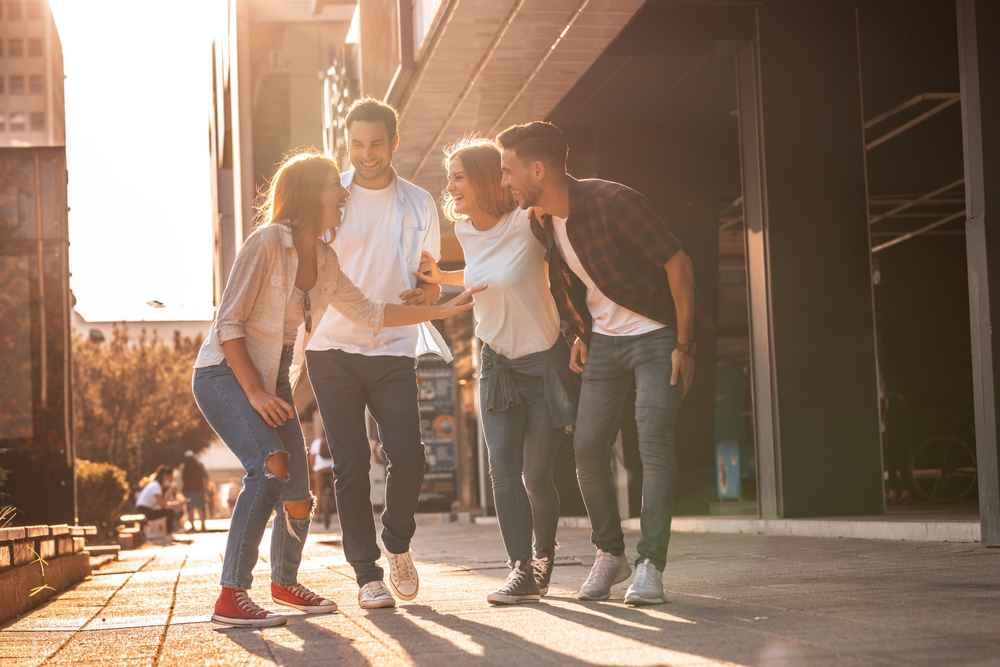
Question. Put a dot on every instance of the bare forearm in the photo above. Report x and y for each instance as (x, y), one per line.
(680, 277)
(397, 315)
(239, 360)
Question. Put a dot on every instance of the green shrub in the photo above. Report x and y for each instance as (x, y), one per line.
(102, 490)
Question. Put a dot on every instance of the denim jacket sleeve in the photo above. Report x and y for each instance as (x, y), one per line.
(338, 291)
(247, 278)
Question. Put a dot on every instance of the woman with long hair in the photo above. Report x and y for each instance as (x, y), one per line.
(527, 393)
(284, 276)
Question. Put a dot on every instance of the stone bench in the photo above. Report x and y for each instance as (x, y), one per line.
(63, 548)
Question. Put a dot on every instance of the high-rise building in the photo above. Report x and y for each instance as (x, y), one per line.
(31, 76)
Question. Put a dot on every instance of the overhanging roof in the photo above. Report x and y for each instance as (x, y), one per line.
(494, 63)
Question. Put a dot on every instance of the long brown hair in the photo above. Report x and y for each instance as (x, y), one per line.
(481, 164)
(294, 192)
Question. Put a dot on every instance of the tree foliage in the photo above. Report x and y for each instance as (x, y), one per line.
(132, 401)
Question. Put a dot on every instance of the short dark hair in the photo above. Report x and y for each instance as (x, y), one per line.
(537, 140)
(370, 110)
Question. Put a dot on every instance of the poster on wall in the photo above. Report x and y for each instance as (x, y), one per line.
(436, 398)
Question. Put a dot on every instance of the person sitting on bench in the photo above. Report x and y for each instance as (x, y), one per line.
(152, 501)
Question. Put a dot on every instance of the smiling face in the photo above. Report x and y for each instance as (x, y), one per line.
(524, 179)
(461, 189)
(370, 149)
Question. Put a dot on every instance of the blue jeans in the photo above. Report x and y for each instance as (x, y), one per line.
(229, 413)
(522, 444)
(613, 363)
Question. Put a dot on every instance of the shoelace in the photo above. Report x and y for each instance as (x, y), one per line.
(541, 567)
(404, 566)
(374, 592)
(304, 593)
(516, 578)
(247, 605)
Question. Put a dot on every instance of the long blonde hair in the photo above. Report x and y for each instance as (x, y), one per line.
(294, 192)
(481, 163)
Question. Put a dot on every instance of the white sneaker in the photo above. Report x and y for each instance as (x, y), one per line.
(403, 578)
(374, 595)
(647, 587)
(607, 571)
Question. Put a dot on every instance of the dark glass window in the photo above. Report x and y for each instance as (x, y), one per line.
(34, 48)
(14, 10)
(15, 47)
(17, 85)
(36, 84)
(37, 121)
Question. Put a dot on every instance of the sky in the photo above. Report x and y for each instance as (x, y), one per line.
(138, 89)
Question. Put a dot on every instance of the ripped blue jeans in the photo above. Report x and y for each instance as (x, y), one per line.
(229, 413)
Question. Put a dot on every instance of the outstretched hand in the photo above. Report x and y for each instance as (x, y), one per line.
(465, 300)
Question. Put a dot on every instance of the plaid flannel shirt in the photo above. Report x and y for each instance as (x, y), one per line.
(621, 242)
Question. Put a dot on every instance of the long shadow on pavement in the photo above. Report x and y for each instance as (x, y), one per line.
(319, 645)
(498, 645)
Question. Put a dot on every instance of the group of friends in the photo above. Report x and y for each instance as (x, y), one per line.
(579, 291)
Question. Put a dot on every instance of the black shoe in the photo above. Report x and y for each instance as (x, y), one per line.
(542, 568)
(519, 587)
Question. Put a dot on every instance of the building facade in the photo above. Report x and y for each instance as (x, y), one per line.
(36, 447)
(831, 167)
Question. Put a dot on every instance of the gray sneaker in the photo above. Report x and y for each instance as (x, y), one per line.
(647, 587)
(608, 570)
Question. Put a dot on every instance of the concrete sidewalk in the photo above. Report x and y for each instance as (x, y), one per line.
(734, 599)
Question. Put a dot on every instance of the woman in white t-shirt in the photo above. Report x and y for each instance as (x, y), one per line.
(527, 393)
(152, 498)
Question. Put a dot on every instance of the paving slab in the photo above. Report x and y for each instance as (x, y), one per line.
(733, 600)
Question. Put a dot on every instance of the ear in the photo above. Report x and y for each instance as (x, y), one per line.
(538, 170)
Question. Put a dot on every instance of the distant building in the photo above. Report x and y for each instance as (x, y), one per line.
(31, 76)
(165, 330)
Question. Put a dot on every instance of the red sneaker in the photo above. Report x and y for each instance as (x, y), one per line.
(234, 607)
(301, 598)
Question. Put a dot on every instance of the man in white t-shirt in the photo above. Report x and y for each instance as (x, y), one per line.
(622, 282)
(386, 225)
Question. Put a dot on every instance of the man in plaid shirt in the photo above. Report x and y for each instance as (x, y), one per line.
(625, 291)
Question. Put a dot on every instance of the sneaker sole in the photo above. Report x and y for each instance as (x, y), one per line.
(380, 604)
(512, 599)
(272, 622)
(309, 609)
(635, 601)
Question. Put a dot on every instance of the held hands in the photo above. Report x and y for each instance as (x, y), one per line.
(272, 409)
(429, 271)
(682, 364)
(578, 356)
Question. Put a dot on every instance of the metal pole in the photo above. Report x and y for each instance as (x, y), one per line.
(918, 232)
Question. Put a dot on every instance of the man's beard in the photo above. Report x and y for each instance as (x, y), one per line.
(530, 198)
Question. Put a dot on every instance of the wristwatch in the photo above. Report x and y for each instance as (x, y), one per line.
(687, 348)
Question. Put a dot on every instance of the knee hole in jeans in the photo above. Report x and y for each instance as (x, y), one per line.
(276, 466)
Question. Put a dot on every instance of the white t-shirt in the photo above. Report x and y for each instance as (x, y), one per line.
(609, 318)
(147, 497)
(516, 315)
(367, 244)
(320, 462)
